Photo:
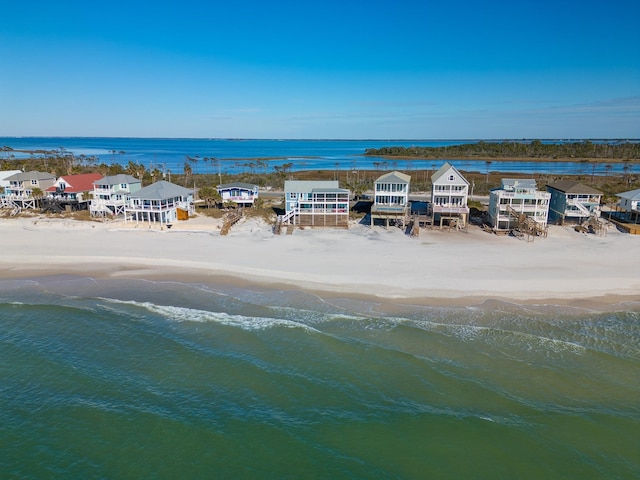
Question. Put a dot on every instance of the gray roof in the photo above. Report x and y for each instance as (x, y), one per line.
(443, 170)
(630, 195)
(394, 177)
(525, 183)
(117, 180)
(7, 173)
(162, 190)
(243, 185)
(24, 176)
(306, 186)
(571, 186)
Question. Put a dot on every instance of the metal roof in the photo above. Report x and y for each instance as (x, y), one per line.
(117, 180)
(442, 171)
(162, 190)
(630, 195)
(306, 186)
(394, 177)
(244, 185)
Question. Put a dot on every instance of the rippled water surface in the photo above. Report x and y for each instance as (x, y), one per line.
(135, 379)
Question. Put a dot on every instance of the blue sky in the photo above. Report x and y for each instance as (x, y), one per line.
(377, 69)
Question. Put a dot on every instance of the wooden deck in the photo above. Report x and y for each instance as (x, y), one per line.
(329, 220)
(631, 228)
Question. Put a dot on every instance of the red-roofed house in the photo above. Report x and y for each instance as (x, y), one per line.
(73, 188)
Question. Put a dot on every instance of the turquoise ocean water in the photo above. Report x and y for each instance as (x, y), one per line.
(136, 379)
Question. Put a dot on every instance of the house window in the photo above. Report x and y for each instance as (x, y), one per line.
(452, 178)
(123, 186)
(34, 182)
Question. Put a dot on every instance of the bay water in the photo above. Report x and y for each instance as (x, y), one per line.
(232, 156)
(128, 378)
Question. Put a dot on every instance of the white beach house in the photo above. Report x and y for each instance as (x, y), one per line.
(241, 193)
(630, 203)
(449, 196)
(160, 203)
(111, 194)
(515, 199)
(316, 203)
(572, 201)
(391, 197)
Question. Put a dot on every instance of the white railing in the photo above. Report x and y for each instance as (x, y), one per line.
(581, 208)
(288, 216)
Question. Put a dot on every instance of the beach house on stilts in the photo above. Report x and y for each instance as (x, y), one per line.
(111, 194)
(19, 193)
(70, 192)
(449, 196)
(573, 202)
(391, 198)
(629, 204)
(160, 204)
(315, 203)
(241, 193)
(519, 207)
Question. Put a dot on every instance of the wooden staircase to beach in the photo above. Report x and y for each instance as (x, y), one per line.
(230, 219)
(526, 226)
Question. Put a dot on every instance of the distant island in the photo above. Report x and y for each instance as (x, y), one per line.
(619, 151)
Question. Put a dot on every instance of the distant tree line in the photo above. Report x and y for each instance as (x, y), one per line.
(510, 149)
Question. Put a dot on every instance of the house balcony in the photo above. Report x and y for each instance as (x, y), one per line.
(450, 209)
(389, 209)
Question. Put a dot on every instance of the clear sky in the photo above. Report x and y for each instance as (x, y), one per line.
(349, 69)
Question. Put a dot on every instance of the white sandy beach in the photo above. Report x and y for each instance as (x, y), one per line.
(438, 266)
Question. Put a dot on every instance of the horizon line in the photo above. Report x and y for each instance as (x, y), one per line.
(495, 139)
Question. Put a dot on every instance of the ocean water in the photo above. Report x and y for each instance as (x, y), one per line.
(136, 379)
(234, 156)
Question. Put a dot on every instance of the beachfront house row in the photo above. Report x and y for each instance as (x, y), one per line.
(22, 185)
(630, 203)
(449, 196)
(391, 197)
(516, 199)
(160, 204)
(111, 194)
(73, 188)
(316, 203)
(572, 201)
(242, 194)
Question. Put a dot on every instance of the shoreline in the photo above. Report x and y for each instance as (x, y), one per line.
(632, 161)
(440, 268)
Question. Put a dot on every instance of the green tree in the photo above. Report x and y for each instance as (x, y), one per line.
(37, 193)
(210, 195)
